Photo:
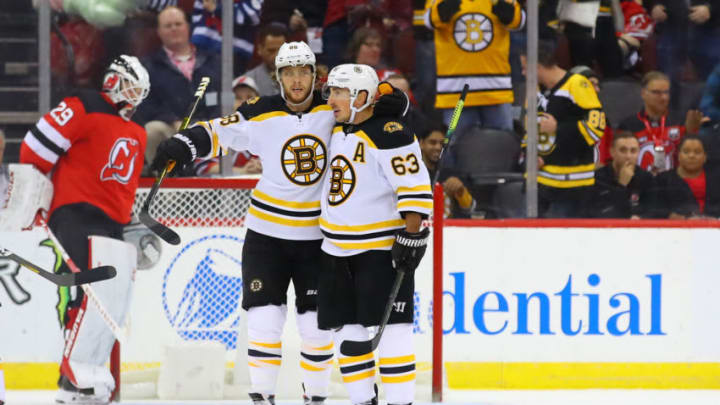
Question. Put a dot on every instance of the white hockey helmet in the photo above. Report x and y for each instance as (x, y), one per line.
(356, 78)
(294, 54)
(126, 81)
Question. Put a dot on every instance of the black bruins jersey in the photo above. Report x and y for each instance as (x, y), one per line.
(293, 150)
(568, 153)
(376, 173)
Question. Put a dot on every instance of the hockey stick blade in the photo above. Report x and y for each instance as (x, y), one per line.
(361, 347)
(65, 280)
(162, 231)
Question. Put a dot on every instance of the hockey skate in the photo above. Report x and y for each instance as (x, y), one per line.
(260, 399)
(71, 395)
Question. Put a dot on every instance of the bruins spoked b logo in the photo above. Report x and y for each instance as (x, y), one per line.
(473, 32)
(342, 180)
(303, 159)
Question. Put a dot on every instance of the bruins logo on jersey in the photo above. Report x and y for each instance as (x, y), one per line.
(304, 159)
(342, 180)
(473, 32)
(392, 126)
(546, 143)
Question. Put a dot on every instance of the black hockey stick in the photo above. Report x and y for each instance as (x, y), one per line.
(451, 129)
(165, 233)
(66, 280)
(358, 348)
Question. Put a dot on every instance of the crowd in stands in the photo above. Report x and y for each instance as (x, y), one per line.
(629, 95)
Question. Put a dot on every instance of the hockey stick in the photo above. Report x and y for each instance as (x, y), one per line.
(451, 129)
(164, 232)
(66, 280)
(358, 348)
(120, 333)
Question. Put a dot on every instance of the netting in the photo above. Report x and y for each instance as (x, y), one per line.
(201, 207)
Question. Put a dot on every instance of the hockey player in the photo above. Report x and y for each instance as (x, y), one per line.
(95, 154)
(290, 133)
(373, 202)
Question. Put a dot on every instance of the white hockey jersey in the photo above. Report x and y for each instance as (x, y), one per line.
(293, 150)
(375, 174)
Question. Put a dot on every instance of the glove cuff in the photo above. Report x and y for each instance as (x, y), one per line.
(190, 145)
(417, 239)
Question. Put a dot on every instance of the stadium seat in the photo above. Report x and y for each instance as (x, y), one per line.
(620, 98)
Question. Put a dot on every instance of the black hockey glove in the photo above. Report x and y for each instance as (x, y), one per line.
(179, 148)
(409, 249)
(504, 11)
(392, 103)
(447, 9)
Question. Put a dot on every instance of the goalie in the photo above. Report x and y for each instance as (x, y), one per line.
(94, 154)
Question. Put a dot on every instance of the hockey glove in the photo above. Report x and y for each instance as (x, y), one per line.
(447, 9)
(179, 148)
(504, 11)
(392, 102)
(409, 249)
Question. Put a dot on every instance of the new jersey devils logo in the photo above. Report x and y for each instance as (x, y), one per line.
(121, 162)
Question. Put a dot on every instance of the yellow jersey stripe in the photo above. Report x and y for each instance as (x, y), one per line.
(365, 245)
(251, 364)
(397, 379)
(271, 361)
(355, 359)
(410, 203)
(565, 183)
(283, 203)
(337, 129)
(309, 367)
(359, 376)
(280, 220)
(366, 227)
(321, 107)
(397, 360)
(424, 187)
(268, 345)
(322, 348)
(268, 115)
(590, 167)
(366, 138)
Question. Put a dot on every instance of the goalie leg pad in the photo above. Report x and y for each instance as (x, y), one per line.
(316, 355)
(358, 372)
(89, 341)
(265, 326)
(397, 363)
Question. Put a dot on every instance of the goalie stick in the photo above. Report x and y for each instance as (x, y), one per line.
(165, 233)
(66, 280)
(361, 347)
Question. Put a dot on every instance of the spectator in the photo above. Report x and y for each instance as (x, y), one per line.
(658, 130)
(245, 89)
(578, 20)
(424, 74)
(175, 72)
(689, 191)
(710, 101)
(459, 201)
(467, 53)
(303, 18)
(207, 28)
(686, 29)
(622, 188)
(243, 163)
(607, 134)
(415, 118)
(366, 47)
(571, 121)
(270, 38)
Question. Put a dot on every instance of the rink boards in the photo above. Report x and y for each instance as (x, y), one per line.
(524, 308)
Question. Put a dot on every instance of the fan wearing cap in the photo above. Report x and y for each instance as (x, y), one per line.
(244, 89)
(290, 133)
(375, 197)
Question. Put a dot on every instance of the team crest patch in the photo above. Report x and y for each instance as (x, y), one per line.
(256, 285)
(252, 100)
(392, 126)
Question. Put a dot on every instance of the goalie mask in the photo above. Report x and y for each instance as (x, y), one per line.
(127, 83)
(356, 78)
(294, 54)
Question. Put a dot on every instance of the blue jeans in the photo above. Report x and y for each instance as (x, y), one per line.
(498, 116)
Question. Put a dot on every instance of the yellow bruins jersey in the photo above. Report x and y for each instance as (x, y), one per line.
(569, 152)
(473, 48)
(376, 173)
(292, 148)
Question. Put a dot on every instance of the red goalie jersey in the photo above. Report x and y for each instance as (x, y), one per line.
(95, 155)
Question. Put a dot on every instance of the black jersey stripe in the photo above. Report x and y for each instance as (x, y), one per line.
(357, 367)
(258, 353)
(316, 357)
(45, 141)
(266, 207)
(397, 370)
(362, 236)
(415, 196)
